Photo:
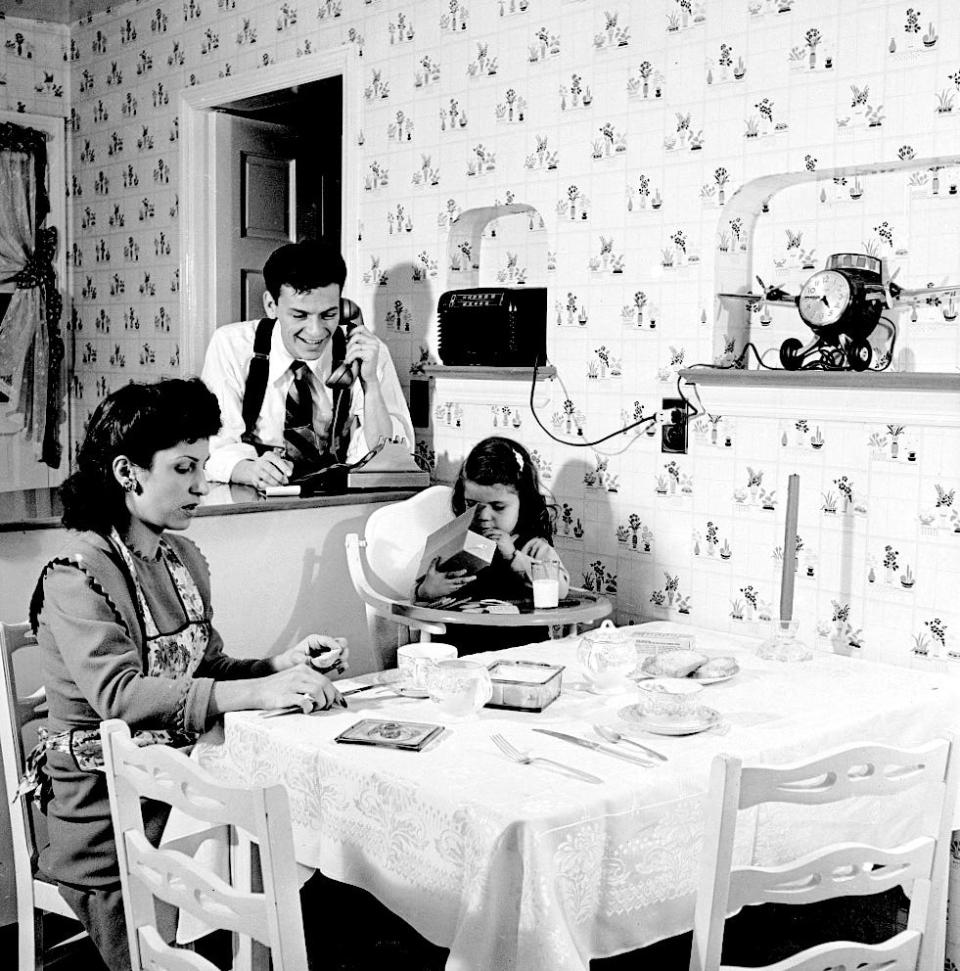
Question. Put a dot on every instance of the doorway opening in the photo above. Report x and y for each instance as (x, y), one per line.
(298, 178)
(279, 158)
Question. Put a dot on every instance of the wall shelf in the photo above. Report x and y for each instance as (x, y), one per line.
(487, 373)
(884, 381)
(918, 398)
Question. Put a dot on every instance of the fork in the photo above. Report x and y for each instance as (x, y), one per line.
(526, 759)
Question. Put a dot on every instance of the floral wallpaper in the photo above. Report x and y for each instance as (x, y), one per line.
(628, 128)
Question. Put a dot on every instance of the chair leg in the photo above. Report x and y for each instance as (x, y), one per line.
(30, 943)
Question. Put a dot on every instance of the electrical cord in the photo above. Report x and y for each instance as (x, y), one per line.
(690, 411)
(566, 395)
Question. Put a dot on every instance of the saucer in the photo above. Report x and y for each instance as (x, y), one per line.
(644, 676)
(723, 677)
(699, 720)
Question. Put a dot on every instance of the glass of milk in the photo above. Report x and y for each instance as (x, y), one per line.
(546, 584)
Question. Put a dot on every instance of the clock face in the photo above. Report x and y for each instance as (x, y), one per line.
(824, 298)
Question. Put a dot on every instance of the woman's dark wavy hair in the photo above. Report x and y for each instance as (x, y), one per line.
(501, 461)
(138, 421)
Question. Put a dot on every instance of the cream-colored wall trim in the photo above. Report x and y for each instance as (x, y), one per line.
(928, 408)
(198, 236)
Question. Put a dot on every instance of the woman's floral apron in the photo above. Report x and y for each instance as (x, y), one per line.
(175, 655)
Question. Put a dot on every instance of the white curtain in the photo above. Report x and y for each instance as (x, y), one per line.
(31, 350)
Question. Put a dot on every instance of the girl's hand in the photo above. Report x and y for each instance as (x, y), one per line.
(503, 540)
(300, 685)
(323, 652)
(539, 549)
(437, 583)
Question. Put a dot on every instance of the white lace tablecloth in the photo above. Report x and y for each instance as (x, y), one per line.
(517, 867)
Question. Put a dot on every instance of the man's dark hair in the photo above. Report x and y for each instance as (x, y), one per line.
(304, 266)
(138, 421)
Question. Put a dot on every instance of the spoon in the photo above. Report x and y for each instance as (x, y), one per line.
(611, 735)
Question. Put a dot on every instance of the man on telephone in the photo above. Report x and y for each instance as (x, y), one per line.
(296, 393)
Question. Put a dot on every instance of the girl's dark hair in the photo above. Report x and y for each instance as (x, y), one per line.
(501, 461)
(138, 421)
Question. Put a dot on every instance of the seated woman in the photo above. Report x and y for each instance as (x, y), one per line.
(124, 624)
(499, 480)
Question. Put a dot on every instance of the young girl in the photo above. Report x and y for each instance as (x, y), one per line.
(499, 481)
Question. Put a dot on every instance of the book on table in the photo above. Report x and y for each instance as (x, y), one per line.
(412, 736)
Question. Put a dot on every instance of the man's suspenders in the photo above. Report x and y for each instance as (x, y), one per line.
(255, 390)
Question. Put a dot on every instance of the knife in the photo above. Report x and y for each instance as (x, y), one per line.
(597, 747)
(298, 710)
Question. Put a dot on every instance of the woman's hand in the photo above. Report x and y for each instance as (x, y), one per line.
(301, 685)
(437, 583)
(323, 652)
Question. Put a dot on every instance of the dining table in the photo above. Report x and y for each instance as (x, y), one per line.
(523, 866)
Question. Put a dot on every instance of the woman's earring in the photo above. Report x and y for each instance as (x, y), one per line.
(131, 485)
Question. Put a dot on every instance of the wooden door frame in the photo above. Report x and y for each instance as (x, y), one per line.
(199, 190)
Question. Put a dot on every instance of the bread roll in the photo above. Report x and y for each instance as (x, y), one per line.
(673, 664)
(717, 667)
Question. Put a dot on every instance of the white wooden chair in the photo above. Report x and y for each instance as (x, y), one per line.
(843, 869)
(17, 714)
(270, 916)
(383, 564)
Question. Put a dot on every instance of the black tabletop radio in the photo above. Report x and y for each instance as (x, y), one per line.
(493, 326)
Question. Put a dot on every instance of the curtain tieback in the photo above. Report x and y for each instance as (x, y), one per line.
(38, 270)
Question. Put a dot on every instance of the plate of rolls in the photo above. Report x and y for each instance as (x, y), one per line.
(688, 664)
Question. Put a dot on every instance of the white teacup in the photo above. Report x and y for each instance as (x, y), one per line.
(416, 660)
(460, 688)
(669, 698)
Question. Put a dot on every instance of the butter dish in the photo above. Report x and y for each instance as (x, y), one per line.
(524, 685)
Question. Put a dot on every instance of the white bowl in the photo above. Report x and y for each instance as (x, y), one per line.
(668, 697)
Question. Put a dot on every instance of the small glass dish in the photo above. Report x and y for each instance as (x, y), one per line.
(782, 644)
(524, 685)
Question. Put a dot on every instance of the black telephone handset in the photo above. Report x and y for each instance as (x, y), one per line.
(343, 374)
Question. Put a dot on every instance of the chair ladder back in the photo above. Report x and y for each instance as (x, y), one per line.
(846, 870)
(157, 955)
(151, 772)
(278, 871)
(16, 712)
(270, 915)
(932, 946)
(720, 828)
(868, 770)
(899, 953)
(921, 864)
(174, 877)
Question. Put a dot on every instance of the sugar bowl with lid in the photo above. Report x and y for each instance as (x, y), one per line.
(608, 657)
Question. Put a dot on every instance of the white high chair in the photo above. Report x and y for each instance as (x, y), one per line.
(383, 565)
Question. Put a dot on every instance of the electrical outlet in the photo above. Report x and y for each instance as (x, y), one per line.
(673, 431)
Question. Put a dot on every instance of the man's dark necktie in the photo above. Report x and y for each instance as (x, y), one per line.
(303, 446)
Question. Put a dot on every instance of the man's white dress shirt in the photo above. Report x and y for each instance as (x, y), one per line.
(225, 370)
